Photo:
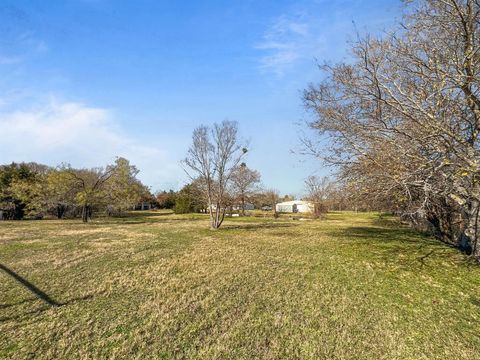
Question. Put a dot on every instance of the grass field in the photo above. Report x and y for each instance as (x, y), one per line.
(155, 285)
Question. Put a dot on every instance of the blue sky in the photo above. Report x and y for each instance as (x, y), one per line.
(84, 81)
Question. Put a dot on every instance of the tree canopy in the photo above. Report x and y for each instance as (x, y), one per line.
(404, 118)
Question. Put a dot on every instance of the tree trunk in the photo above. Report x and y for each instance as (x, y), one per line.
(243, 204)
(442, 220)
(217, 220)
(60, 211)
(210, 212)
(274, 206)
(86, 213)
(471, 224)
(222, 217)
(214, 217)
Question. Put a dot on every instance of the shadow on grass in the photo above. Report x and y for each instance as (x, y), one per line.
(29, 300)
(257, 226)
(139, 221)
(387, 234)
(146, 213)
(402, 245)
(5, 306)
(39, 295)
(29, 286)
(140, 215)
(475, 301)
(26, 314)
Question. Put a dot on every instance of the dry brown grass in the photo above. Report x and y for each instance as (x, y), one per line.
(167, 287)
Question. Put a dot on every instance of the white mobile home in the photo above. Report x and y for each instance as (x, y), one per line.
(295, 206)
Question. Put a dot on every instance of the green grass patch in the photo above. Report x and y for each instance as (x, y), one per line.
(159, 285)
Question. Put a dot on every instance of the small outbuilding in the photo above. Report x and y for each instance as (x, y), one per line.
(144, 205)
(295, 206)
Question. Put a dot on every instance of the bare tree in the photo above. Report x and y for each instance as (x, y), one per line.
(319, 191)
(214, 154)
(272, 197)
(404, 117)
(244, 181)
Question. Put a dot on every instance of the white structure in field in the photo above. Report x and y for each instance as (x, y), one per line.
(248, 206)
(295, 206)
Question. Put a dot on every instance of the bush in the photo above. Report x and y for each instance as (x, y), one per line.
(183, 205)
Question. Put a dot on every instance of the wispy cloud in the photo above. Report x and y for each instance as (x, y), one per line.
(57, 132)
(30, 44)
(10, 60)
(22, 47)
(286, 42)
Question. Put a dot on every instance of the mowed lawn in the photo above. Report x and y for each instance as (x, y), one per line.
(156, 285)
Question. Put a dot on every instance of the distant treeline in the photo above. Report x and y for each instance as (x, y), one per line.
(35, 191)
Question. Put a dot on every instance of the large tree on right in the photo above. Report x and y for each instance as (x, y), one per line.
(404, 117)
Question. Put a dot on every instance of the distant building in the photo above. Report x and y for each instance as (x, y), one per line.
(248, 206)
(144, 205)
(295, 206)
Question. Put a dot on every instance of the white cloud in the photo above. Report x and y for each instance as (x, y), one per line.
(84, 136)
(286, 42)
